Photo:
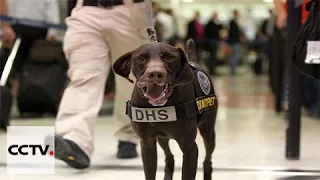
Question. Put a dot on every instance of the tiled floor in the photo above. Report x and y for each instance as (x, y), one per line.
(250, 142)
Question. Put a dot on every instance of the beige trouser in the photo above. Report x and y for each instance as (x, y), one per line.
(95, 38)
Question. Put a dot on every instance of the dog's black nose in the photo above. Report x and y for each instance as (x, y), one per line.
(156, 74)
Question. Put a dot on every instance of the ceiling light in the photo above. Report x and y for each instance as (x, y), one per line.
(268, 1)
(187, 0)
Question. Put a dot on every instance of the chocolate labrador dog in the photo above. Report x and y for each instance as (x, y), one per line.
(172, 99)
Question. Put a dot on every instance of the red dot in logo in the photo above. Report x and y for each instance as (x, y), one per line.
(51, 153)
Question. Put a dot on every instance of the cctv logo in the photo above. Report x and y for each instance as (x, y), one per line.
(24, 150)
(29, 151)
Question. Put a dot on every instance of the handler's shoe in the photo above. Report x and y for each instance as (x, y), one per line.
(126, 150)
(70, 153)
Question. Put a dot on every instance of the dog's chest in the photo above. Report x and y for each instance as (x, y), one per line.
(164, 130)
(204, 100)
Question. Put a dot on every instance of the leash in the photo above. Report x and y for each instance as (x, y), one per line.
(151, 31)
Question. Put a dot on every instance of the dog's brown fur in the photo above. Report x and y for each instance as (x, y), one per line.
(178, 74)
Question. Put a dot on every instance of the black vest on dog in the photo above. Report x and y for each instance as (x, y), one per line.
(204, 93)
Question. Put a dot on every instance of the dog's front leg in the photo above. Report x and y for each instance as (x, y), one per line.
(169, 167)
(149, 158)
(190, 160)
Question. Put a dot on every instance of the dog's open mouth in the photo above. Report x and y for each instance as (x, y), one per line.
(157, 94)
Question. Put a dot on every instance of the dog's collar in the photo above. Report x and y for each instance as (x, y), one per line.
(170, 113)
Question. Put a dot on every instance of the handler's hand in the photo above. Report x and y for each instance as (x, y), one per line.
(50, 38)
(8, 36)
(281, 21)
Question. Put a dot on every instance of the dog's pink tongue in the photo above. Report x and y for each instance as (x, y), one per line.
(154, 91)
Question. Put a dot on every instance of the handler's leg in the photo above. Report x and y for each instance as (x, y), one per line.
(127, 34)
(87, 54)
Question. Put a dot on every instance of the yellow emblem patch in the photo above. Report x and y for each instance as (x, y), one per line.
(205, 102)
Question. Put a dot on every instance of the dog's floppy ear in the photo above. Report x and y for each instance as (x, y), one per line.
(122, 66)
(185, 74)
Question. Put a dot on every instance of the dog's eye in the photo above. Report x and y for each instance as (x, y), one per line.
(168, 58)
(141, 59)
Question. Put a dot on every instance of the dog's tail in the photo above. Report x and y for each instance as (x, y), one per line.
(191, 50)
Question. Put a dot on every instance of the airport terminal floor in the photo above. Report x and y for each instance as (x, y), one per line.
(250, 141)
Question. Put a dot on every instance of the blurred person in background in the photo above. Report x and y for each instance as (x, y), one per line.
(175, 38)
(235, 35)
(249, 26)
(167, 21)
(277, 58)
(212, 37)
(265, 22)
(266, 31)
(195, 31)
(99, 32)
(45, 11)
(158, 26)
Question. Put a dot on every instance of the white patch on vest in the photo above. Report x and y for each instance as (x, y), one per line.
(204, 82)
(313, 52)
(153, 115)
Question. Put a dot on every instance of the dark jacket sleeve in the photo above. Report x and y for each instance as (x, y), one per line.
(191, 33)
(234, 31)
(207, 38)
(264, 27)
(71, 5)
(207, 30)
